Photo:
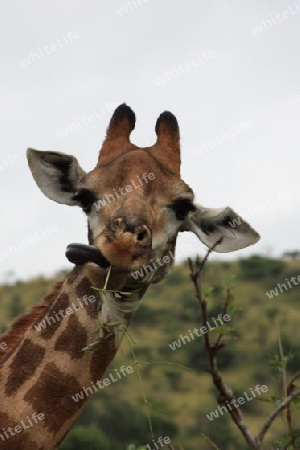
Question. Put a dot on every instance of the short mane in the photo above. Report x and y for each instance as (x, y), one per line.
(21, 325)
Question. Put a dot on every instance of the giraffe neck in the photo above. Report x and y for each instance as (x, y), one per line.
(65, 351)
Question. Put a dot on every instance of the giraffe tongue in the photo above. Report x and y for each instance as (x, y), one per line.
(81, 254)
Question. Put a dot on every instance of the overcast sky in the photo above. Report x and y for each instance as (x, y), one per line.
(229, 71)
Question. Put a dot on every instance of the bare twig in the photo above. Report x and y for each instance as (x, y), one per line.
(210, 441)
(282, 358)
(297, 375)
(275, 413)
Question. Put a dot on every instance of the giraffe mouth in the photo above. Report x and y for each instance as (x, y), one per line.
(80, 254)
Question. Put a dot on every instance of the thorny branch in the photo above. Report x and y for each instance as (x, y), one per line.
(225, 393)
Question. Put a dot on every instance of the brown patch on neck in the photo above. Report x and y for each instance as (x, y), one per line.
(17, 442)
(55, 388)
(22, 324)
(52, 318)
(20, 370)
(84, 289)
(103, 356)
(73, 339)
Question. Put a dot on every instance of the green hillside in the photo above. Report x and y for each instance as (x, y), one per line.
(182, 397)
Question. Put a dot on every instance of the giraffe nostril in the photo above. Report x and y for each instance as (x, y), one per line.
(141, 235)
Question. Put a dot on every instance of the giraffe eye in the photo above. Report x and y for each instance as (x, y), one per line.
(182, 207)
(85, 198)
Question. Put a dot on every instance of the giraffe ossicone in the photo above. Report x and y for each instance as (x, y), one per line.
(45, 361)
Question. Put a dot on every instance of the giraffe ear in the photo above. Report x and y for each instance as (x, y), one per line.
(56, 174)
(211, 224)
(167, 147)
(117, 140)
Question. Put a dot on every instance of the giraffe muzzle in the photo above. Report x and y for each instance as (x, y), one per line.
(126, 245)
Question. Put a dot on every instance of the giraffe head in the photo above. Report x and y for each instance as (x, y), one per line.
(134, 199)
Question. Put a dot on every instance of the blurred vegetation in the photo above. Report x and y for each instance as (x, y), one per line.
(258, 267)
(116, 417)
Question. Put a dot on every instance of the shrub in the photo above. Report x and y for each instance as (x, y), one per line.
(85, 437)
(258, 267)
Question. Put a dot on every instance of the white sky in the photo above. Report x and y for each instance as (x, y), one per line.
(119, 58)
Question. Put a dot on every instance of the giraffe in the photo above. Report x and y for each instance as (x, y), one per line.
(136, 204)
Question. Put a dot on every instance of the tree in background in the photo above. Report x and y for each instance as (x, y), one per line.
(283, 401)
(16, 307)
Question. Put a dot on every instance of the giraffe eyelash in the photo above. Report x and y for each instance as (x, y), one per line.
(85, 198)
(182, 207)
